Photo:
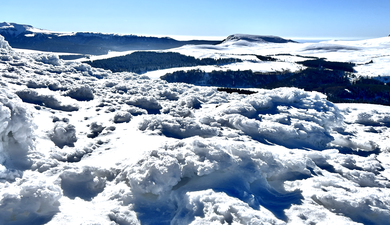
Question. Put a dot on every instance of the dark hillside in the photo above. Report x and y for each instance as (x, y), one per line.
(28, 37)
(141, 62)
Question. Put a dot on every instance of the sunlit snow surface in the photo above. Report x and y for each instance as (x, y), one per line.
(87, 146)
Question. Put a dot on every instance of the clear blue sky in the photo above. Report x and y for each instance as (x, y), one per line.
(286, 18)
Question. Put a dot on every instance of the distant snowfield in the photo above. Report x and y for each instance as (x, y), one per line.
(359, 52)
(82, 145)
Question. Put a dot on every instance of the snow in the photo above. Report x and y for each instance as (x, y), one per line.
(20, 28)
(81, 145)
(4, 46)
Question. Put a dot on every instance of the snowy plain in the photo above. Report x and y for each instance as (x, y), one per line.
(81, 145)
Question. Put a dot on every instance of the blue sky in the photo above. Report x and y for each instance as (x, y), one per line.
(348, 19)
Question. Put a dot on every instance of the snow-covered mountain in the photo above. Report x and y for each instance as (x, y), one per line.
(81, 145)
(257, 38)
(14, 29)
(28, 37)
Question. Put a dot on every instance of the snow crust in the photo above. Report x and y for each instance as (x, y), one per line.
(81, 145)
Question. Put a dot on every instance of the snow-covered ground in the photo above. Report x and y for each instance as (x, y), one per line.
(81, 145)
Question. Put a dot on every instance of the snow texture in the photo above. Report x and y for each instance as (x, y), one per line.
(4, 46)
(81, 145)
(16, 133)
(81, 93)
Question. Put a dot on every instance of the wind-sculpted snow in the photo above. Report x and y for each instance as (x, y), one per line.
(16, 134)
(293, 118)
(212, 206)
(81, 145)
(374, 118)
(63, 134)
(148, 103)
(80, 93)
(290, 117)
(238, 171)
(177, 127)
(4, 46)
(121, 117)
(49, 100)
(30, 200)
(49, 59)
(251, 174)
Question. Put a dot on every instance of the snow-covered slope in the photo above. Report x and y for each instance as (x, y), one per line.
(81, 145)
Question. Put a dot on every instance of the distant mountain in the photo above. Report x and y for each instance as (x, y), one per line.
(29, 37)
(256, 38)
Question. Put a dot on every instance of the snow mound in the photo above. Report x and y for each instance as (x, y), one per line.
(149, 103)
(240, 171)
(16, 133)
(48, 100)
(49, 59)
(63, 134)
(122, 117)
(30, 200)
(80, 93)
(84, 183)
(4, 46)
(176, 127)
(373, 118)
(285, 116)
(205, 180)
(219, 208)
(372, 208)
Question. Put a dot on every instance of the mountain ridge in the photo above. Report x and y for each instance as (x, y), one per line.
(29, 37)
(95, 43)
(257, 38)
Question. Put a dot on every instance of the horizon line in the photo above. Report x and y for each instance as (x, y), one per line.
(215, 37)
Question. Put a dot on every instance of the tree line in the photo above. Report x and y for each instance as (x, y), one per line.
(143, 61)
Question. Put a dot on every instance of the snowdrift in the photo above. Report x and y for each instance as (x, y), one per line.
(81, 145)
